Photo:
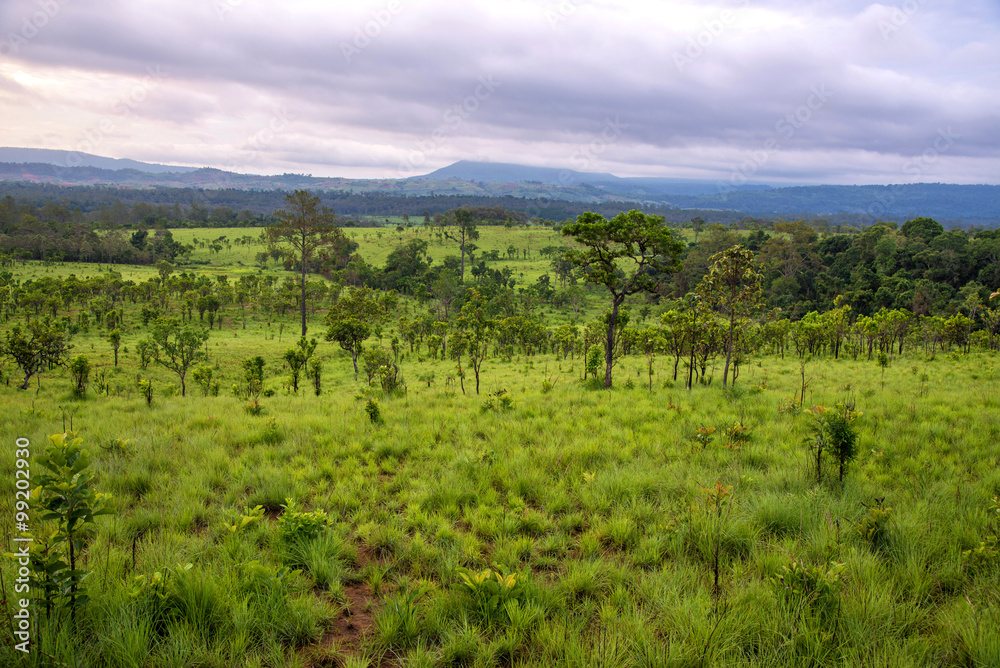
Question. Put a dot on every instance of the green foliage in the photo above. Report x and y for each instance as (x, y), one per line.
(66, 498)
(835, 433)
(250, 516)
(296, 525)
(178, 346)
(40, 345)
(372, 411)
(595, 354)
(145, 386)
(79, 368)
(813, 587)
(253, 384)
(380, 367)
(494, 592)
(146, 349)
(498, 401)
(204, 376)
(315, 374)
(874, 525)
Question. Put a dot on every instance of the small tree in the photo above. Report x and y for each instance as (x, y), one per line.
(203, 374)
(147, 352)
(43, 345)
(834, 432)
(732, 284)
(80, 369)
(351, 319)
(178, 347)
(476, 331)
(297, 358)
(315, 374)
(115, 339)
(65, 496)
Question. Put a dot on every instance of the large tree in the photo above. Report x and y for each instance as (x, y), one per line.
(631, 253)
(306, 227)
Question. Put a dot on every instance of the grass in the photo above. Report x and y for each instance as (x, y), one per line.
(594, 500)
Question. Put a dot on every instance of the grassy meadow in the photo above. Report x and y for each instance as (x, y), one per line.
(544, 522)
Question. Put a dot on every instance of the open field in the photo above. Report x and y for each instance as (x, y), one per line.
(608, 515)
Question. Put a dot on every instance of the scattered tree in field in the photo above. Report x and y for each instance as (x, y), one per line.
(178, 347)
(833, 432)
(631, 253)
(115, 339)
(39, 346)
(732, 284)
(314, 372)
(305, 227)
(350, 321)
(465, 233)
(80, 370)
(297, 358)
(475, 330)
(146, 350)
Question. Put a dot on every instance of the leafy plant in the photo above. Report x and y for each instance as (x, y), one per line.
(373, 412)
(146, 389)
(815, 587)
(874, 526)
(498, 401)
(80, 370)
(492, 590)
(295, 525)
(66, 497)
(249, 516)
(834, 432)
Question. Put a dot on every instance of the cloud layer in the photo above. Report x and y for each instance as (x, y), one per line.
(847, 92)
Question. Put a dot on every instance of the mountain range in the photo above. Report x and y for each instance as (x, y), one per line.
(979, 204)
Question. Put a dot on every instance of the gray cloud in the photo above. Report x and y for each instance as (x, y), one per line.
(847, 91)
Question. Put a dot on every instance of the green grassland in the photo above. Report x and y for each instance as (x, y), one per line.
(543, 522)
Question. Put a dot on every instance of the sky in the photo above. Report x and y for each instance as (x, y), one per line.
(736, 91)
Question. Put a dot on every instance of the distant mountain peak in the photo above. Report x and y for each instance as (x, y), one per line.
(60, 158)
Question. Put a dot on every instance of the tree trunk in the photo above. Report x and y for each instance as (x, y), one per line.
(303, 261)
(729, 346)
(609, 345)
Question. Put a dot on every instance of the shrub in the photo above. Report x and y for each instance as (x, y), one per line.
(80, 370)
(296, 525)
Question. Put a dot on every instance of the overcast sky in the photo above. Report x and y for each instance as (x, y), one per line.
(837, 91)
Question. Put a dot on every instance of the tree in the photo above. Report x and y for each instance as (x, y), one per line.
(45, 344)
(475, 330)
(350, 321)
(297, 358)
(733, 284)
(178, 347)
(115, 339)
(465, 233)
(306, 227)
(80, 370)
(631, 253)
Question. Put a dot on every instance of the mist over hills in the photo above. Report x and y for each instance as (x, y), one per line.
(957, 204)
